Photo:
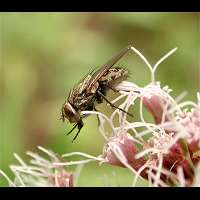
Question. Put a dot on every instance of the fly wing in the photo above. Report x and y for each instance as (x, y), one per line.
(79, 87)
(101, 71)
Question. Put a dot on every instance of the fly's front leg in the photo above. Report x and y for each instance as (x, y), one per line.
(72, 129)
(80, 126)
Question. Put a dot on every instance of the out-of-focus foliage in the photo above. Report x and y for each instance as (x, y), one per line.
(44, 54)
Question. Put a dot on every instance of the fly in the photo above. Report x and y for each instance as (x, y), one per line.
(92, 89)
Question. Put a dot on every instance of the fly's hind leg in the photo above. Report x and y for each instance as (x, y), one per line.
(112, 105)
(97, 116)
(112, 88)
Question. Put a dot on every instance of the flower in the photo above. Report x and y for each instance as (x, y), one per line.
(123, 143)
(155, 106)
(167, 147)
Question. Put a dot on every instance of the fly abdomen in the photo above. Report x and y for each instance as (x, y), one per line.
(114, 77)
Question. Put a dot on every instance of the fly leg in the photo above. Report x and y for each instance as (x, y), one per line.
(112, 105)
(97, 116)
(80, 126)
(112, 88)
(72, 129)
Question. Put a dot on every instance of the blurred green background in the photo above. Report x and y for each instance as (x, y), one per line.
(44, 54)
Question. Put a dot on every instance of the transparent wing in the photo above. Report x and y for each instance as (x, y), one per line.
(101, 71)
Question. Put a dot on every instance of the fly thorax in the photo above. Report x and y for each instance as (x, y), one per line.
(82, 85)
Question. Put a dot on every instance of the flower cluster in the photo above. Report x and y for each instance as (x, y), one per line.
(165, 152)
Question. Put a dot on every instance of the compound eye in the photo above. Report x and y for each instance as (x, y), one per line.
(69, 112)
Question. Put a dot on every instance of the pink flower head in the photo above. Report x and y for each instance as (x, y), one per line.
(121, 150)
(187, 125)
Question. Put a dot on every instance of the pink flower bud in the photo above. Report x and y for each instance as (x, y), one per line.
(154, 104)
(124, 142)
